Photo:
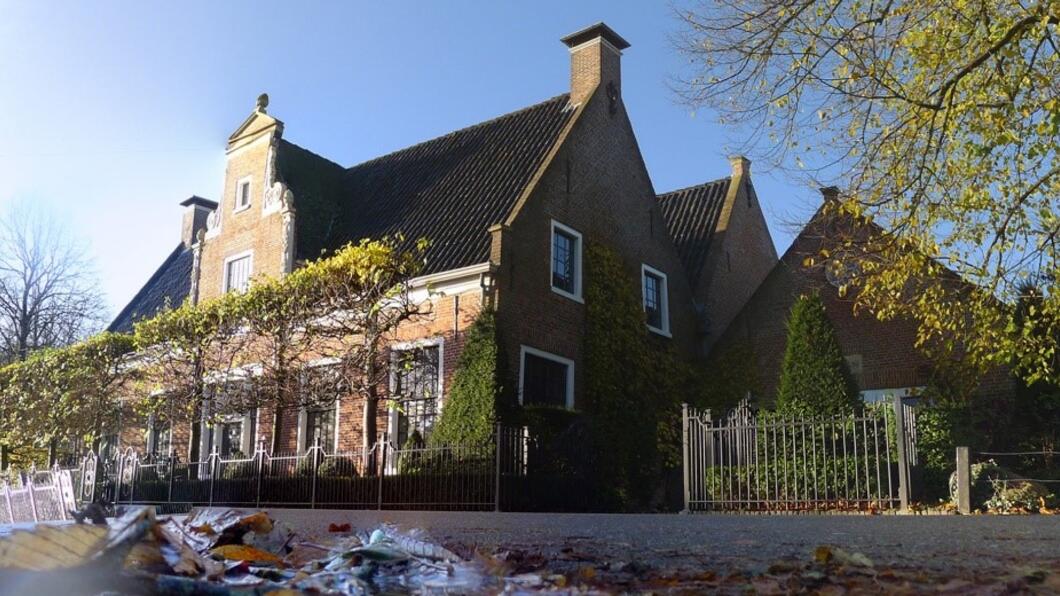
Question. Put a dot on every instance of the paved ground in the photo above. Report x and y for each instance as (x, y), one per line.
(726, 543)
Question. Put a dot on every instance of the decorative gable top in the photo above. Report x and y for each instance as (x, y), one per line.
(258, 123)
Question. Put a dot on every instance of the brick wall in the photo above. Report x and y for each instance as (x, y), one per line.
(885, 350)
(597, 185)
(741, 255)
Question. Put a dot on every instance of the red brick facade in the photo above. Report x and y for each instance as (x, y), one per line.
(592, 180)
(881, 354)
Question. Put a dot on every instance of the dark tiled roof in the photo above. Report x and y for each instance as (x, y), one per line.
(168, 286)
(692, 216)
(448, 190)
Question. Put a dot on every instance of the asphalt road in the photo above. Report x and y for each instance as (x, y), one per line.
(727, 543)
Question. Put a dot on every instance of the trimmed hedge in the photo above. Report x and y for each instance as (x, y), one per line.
(814, 378)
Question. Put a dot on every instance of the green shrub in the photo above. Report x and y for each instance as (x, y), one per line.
(993, 488)
(470, 413)
(337, 467)
(814, 378)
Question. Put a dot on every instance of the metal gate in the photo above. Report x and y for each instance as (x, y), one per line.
(763, 461)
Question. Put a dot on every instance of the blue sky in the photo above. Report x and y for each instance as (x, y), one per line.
(111, 113)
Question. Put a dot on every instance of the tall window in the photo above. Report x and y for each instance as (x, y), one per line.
(546, 379)
(416, 383)
(231, 438)
(656, 300)
(320, 426)
(237, 274)
(161, 437)
(242, 194)
(566, 261)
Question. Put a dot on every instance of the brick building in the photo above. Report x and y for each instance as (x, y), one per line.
(508, 205)
(881, 355)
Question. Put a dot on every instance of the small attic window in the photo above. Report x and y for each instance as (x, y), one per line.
(242, 194)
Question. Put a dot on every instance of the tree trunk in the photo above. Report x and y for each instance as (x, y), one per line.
(5, 457)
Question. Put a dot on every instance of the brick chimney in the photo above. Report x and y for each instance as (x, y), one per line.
(196, 210)
(595, 60)
(741, 166)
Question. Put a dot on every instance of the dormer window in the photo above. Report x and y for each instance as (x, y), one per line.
(242, 194)
(566, 270)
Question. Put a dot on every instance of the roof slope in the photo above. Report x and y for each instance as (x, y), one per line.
(169, 285)
(692, 216)
(448, 190)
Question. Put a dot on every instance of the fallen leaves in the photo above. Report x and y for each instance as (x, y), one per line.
(242, 552)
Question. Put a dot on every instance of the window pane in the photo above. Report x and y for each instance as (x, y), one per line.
(320, 425)
(544, 381)
(231, 438)
(238, 274)
(563, 254)
(416, 388)
(161, 439)
(244, 194)
(653, 300)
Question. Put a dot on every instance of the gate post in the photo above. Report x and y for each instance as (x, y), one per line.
(213, 473)
(316, 464)
(903, 461)
(171, 463)
(381, 470)
(259, 454)
(964, 481)
(685, 480)
(497, 468)
(32, 497)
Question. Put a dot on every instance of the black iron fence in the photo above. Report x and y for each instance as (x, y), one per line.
(762, 461)
(508, 474)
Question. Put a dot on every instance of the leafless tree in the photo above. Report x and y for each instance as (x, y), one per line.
(49, 294)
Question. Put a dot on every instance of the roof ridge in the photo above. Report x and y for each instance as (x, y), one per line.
(700, 185)
(314, 154)
(461, 130)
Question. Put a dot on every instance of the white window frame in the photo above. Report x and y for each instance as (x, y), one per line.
(524, 350)
(303, 418)
(392, 418)
(578, 245)
(229, 260)
(664, 298)
(236, 206)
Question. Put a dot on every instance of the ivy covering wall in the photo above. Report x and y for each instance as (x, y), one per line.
(470, 411)
(633, 385)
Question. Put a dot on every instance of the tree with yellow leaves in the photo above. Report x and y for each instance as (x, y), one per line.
(941, 123)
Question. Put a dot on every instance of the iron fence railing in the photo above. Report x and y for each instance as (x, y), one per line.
(37, 496)
(762, 461)
(497, 476)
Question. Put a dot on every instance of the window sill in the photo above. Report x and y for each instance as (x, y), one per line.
(663, 332)
(567, 294)
(242, 209)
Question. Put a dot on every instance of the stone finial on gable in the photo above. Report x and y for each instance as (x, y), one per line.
(257, 125)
